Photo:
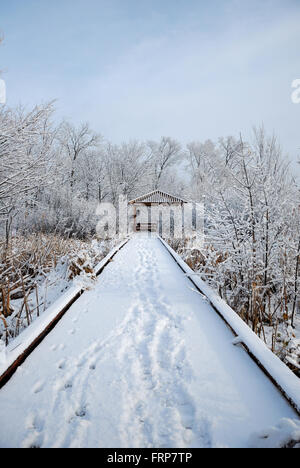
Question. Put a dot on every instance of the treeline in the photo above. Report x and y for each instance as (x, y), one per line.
(53, 176)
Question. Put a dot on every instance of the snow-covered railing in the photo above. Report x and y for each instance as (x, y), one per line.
(274, 368)
(21, 347)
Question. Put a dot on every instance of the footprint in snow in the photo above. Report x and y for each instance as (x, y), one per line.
(34, 442)
(62, 385)
(35, 426)
(68, 385)
(34, 423)
(62, 364)
(188, 435)
(38, 387)
(81, 412)
(92, 365)
(187, 414)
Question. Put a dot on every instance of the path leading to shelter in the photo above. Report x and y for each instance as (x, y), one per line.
(141, 360)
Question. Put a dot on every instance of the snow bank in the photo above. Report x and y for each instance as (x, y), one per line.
(286, 434)
(284, 378)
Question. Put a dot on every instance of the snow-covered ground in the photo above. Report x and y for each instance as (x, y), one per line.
(142, 360)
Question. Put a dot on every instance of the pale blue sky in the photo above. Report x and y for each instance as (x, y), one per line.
(189, 69)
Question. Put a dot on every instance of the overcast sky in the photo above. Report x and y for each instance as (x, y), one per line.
(139, 69)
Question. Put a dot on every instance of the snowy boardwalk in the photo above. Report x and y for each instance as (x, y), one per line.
(141, 360)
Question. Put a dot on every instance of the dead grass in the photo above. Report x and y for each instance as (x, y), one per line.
(28, 259)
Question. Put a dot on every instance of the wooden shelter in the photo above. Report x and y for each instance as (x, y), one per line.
(156, 199)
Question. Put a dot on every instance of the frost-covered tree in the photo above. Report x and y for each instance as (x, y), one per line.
(26, 158)
(202, 158)
(252, 224)
(91, 179)
(75, 142)
(164, 154)
(127, 168)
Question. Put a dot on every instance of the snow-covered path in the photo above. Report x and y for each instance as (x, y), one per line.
(141, 360)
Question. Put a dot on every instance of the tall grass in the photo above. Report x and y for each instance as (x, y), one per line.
(24, 262)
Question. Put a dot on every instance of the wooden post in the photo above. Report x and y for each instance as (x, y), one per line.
(134, 218)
